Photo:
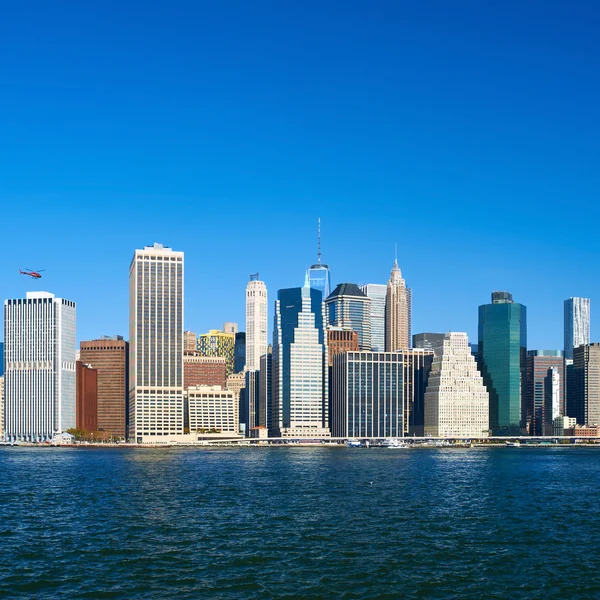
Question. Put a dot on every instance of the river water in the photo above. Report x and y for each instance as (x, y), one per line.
(299, 523)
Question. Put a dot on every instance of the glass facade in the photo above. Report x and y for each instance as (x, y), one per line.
(577, 324)
(299, 393)
(319, 279)
(239, 352)
(377, 293)
(502, 361)
(349, 307)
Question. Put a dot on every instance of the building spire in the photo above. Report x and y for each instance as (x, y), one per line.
(319, 241)
(396, 254)
(306, 279)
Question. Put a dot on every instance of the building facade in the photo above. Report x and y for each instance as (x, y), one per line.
(339, 341)
(586, 374)
(367, 395)
(398, 312)
(544, 390)
(156, 344)
(189, 341)
(239, 352)
(456, 401)
(212, 410)
(256, 322)
(265, 400)
(110, 357)
(378, 295)
(428, 341)
(204, 370)
(577, 324)
(236, 383)
(39, 386)
(502, 361)
(86, 412)
(349, 308)
(300, 382)
(220, 344)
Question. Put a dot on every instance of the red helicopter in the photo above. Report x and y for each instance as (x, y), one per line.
(32, 273)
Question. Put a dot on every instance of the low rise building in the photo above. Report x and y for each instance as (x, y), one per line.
(212, 410)
(562, 424)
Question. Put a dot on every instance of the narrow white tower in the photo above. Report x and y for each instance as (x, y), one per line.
(398, 306)
(40, 366)
(456, 401)
(155, 343)
(256, 322)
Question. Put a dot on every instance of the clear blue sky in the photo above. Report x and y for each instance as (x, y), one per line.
(467, 132)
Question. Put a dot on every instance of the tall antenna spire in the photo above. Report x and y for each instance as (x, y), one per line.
(319, 241)
(396, 253)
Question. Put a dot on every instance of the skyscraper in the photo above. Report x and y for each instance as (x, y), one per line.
(256, 322)
(586, 363)
(456, 401)
(300, 383)
(110, 357)
(39, 350)
(266, 388)
(155, 344)
(349, 308)
(378, 294)
(544, 390)
(368, 394)
(398, 313)
(577, 324)
(318, 275)
(502, 360)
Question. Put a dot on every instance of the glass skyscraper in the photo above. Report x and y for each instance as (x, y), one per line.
(348, 307)
(502, 361)
(377, 292)
(300, 383)
(577, 324)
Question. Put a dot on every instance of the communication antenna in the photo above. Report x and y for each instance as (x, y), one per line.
(319, 241)
(396, 252)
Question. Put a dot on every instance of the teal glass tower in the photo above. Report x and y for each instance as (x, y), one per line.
(503, 361)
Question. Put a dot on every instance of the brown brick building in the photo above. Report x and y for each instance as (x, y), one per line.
(110, 356)
(86, 407)
(203, 370)
(341, 340)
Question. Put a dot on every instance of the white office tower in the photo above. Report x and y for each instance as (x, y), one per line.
(456, 401)
(256, 322)
(155, 344)
(577, 324)
(377, 292)
(39, 354)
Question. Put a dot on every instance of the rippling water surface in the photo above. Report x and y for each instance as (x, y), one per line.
(299, 523)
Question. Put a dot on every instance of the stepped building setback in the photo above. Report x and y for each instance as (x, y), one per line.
(456, 401)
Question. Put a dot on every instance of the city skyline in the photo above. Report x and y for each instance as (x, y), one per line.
(87, 331)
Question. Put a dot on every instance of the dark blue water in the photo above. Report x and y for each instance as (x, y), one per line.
(299, 523)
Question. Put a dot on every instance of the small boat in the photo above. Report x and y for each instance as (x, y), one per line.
(393, 443)
(516, 444)
(353, 444)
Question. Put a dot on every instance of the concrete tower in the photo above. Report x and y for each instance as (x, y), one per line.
(397, 312)
(256, 322)
(155, 344)
(40, 366)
